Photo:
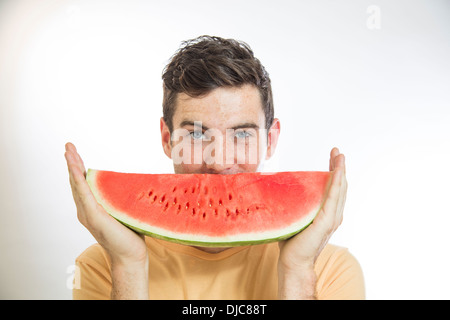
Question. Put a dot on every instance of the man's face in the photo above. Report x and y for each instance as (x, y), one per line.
(222, 132)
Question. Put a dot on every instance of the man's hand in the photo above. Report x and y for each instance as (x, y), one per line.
(127, 249)
(297, 279)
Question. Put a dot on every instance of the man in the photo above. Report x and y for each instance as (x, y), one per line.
(215, 87)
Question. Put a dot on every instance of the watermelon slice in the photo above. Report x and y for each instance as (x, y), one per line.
(212, 209)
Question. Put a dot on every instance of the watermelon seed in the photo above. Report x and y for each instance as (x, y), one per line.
(162, 199)
(193, 211)
(248, 210)
(206, 190)
(216, 212)
(193, 189)
(174, 188)
(220, 202)
(187, 205)
(154, 198)
(185, 190)
(204, 215)
(230, 197)
(228, 212)
(210, 203)
(150, 193)
(166, 206)
(179, 208)
(174, 201)
(237, 211)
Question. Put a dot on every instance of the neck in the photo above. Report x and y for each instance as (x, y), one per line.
(211, 250)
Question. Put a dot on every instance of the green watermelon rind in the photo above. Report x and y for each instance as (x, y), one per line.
(214, 244)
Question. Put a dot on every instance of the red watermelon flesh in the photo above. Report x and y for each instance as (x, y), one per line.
(212, 209)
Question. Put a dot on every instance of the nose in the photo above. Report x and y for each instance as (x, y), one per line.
(219, 166)
(220, 169)
(217, 160)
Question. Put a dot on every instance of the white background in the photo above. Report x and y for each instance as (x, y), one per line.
(90, 72)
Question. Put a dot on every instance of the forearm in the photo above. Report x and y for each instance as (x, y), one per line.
(129, 281)
(296, 284)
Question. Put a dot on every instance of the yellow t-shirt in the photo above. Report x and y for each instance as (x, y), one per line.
(249, 272)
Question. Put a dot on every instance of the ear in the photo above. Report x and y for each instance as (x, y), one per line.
(165, 138)
(272, 138)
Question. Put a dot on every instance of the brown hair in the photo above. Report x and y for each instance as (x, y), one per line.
(206, 63)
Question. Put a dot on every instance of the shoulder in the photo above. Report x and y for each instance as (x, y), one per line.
(339, 274)
(94, 255)
(94, 276)
(333, 254)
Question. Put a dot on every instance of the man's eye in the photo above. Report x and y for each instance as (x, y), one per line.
(197, 135)
(242, 134)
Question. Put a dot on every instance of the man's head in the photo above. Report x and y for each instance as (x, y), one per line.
(210, 87)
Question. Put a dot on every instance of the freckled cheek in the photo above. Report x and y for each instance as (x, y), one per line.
(187, 153)
(247, 152)
(183, 158)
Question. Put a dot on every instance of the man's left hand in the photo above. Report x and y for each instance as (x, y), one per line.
(299, 253)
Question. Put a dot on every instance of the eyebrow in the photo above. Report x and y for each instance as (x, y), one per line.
(245, 125)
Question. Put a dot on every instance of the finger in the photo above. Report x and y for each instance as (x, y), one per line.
(80, 164)
(333, 154)
(333, 193)
(328, 212)
(72, 152)
(80, 189)
(341, 202)
(83, 169)
(70, 147)
(75, 175)
(73, 166)
(339, 162)
(332, 210)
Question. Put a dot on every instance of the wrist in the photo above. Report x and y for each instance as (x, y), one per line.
(297, 283)
(129, 279)
(128, 263)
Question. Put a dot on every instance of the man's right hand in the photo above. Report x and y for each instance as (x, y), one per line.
(126, 249)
